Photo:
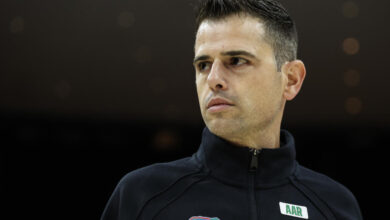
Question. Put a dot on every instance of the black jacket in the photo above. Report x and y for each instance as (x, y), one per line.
(226, 182)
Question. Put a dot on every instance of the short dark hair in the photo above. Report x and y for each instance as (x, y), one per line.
(281, 32)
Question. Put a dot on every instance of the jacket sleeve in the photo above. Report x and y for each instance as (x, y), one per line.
(138, 187)
(128, 197)
(339, 199)
(112, 207)
(122, 203)
(343, 203)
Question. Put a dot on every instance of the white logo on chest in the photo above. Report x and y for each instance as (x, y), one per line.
(293, 210)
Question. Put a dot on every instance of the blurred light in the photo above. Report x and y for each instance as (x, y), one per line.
(353, 105)
(165, 140)
(143, 55)
(125, 19)
(17, 25)
(63, 89)
(352, 78)
(350, 9)
(351, 46)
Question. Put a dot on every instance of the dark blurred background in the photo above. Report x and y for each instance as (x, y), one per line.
(93, 89)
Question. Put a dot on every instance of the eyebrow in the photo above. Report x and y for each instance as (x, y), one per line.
(227, 53)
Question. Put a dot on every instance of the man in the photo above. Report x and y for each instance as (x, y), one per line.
(245, 168)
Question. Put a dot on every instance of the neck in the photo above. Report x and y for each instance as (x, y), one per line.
(257, 140)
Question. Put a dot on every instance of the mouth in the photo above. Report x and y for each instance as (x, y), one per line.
(218, 108)
(218, 105)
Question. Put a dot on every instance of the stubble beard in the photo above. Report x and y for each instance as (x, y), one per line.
(226, 126)
(237, 127)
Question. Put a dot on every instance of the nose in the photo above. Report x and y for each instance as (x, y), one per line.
(216, 79)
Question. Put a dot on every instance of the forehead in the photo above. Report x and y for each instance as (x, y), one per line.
(235, 32)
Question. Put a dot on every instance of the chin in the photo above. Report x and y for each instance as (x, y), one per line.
(222, 127)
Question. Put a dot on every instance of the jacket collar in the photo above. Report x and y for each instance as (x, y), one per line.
(230, 163)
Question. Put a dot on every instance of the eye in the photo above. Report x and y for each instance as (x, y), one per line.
(237, 61)
(202, 66)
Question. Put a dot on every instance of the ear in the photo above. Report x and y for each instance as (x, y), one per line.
(294, 73)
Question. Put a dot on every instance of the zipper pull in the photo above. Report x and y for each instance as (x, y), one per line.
(254, 161)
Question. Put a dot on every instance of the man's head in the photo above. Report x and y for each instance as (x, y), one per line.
(236, 59)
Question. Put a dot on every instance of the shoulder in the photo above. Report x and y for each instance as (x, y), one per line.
(320, 181)
(159, 174)
(136, 188)
(336, 196)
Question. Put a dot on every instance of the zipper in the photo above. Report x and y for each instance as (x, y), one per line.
(254, 160)
(254, 163)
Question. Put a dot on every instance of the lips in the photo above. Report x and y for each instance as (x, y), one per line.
(218, 101)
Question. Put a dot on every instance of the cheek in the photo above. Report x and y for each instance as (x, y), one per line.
(255, 87)
(197, 84)
(200, 89)
(257, 95)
